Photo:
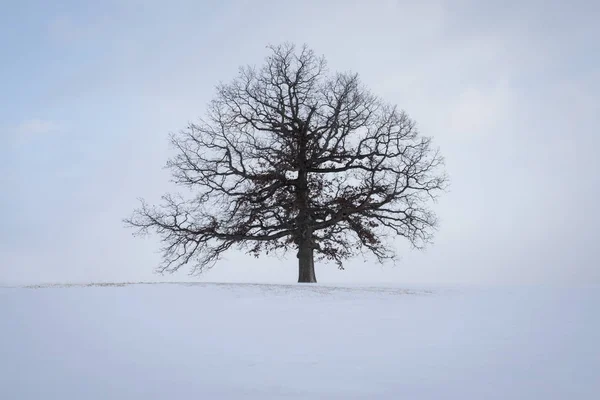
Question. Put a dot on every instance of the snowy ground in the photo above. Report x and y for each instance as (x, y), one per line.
(225, 341)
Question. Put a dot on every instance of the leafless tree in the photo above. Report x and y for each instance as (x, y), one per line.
(292, 157)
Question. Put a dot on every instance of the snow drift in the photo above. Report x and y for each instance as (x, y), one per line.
(211, 341)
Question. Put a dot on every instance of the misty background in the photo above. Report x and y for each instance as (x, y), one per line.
(509, 90)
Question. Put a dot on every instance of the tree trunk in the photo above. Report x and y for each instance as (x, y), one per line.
(304, 235)
(306, 263)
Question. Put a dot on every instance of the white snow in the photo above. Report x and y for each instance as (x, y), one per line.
(226, 341)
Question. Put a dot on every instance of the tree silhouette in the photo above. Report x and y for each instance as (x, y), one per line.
(290, 157)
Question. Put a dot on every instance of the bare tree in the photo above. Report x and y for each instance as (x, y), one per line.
(292, 157)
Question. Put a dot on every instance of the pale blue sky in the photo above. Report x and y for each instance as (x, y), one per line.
(509, 90)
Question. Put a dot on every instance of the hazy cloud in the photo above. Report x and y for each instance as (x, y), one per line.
(36, 127)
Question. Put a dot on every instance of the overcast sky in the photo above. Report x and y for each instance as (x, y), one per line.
(509, 90)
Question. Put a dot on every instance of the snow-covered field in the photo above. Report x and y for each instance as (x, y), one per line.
(225, 341)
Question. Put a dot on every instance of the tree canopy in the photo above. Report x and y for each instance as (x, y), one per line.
(292, 157)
